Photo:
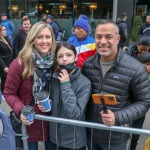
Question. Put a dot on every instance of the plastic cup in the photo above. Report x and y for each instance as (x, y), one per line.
(28, 112)
(43, 98)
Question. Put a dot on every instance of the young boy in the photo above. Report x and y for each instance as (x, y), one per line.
(145, 59)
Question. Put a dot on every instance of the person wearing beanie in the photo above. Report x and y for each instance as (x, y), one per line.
(81, 23)
(89, 26)
(84, 43)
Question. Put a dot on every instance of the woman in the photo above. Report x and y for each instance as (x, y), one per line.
(69, 97)
(142, 45)
(21, 35)
(6, 55)
(29, 74)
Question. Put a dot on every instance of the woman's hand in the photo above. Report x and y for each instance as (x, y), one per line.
(63, 76)
(41, 107)
(24, 120)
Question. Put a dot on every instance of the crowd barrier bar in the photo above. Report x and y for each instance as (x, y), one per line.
(83, 124)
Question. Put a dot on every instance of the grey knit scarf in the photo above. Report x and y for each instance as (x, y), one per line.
(42, 72)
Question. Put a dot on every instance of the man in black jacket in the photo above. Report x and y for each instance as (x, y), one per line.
(145, 28)
(121, 22)
(112, 71)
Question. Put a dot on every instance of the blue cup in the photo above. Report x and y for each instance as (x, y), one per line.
(28, 112)
(43, 98)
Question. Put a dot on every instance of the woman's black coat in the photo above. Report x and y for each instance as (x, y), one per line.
(6, 56)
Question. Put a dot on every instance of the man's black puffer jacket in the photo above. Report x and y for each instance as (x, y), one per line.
(128, 80)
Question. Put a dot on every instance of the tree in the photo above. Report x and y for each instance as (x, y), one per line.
(135, 28)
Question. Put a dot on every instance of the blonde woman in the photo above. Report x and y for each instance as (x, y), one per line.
(29, 74)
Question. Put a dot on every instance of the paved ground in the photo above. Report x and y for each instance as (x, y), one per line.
(140, 145)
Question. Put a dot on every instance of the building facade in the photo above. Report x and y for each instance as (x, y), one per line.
(66, 12)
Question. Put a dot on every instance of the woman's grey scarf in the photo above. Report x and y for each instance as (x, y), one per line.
(42, 72)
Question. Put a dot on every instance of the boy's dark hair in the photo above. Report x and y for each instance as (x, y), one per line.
(144, 57)
(66, 45)
(144, 40)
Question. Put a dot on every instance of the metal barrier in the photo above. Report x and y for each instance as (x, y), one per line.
(82, 124)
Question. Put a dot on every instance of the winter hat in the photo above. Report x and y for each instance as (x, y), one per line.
(3, 14)
(82, 23)
(144, 57)
(84, 17)
(50, 17)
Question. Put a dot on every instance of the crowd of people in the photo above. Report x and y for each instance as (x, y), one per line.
(71, 72)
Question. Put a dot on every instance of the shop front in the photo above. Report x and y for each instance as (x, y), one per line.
(65, 12)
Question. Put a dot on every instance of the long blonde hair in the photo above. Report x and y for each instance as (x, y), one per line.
(25, 55)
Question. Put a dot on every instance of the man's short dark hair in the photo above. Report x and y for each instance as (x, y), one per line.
(124, 14)
(107, 21)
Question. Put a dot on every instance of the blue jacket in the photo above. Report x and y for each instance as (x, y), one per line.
(9, 27)
(85, 48)
(55, 28)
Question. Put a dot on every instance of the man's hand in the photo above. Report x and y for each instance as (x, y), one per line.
(108, 119)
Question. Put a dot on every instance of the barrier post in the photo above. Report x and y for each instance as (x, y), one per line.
(24, 137)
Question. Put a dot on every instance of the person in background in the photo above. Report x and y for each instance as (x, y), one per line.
(69, 97)
(53, 24)
(144, 58)
(142, 45)
(145, 28)
(89, 26)
(113, 71)
(20, 36)
(20, 26)
(43, 17)
(121, 22)
(9, 25)
(84, 44)
(30, 73)
(6, 55)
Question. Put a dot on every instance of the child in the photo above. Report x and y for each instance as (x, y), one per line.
(145, 59)
(70, 94)
(142, 46)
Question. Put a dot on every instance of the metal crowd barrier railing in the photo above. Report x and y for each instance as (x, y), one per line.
(82, 124)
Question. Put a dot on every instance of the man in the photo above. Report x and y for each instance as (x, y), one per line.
(145, 28)
(89, 26)
(43, 17)
(9, 27)
(121, 22)
(50, 20)
(110, 71)
(84, 44)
